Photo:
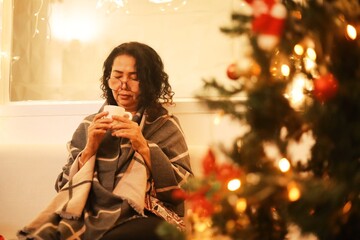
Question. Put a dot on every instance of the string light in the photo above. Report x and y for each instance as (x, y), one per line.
(241, 205)
(160, 1)
(218, 118)
(172, 4)
(295, 90)
(310, 52)
(234, 184)
(285, 70)
(309, 64)
(293, 192)
(279, 66)
(284, 165)
(298, 49)
(347, 207)
(36, 14)
(201, 227)
(112, 5)
(116, 3)
(351, 32)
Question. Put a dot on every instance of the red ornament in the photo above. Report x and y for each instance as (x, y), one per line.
(227, 172)
(209, 163)
(270, 16)
(202, 206)
(325, 87)
(233, 71)
(268, 21)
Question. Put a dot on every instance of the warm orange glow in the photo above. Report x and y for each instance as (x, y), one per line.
(241, 205)
(293, 192)
(234, 184)
(298, 49)
(285, 70)
(347, 207)
(310, 52)
(351, 32)
(284, 165)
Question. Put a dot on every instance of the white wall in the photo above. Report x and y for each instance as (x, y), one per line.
(75, 37)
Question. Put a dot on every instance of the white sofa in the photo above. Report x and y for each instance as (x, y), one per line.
(27, 178)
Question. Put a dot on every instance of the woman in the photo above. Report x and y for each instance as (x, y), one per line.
(121, 173)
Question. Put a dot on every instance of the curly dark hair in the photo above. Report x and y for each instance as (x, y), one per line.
(155, 89)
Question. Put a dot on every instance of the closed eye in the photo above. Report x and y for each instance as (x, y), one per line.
(133, 77)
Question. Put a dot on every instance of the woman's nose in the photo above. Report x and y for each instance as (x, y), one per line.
(123, 84)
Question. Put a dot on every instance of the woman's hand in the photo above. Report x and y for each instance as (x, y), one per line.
(96, 133)
(124, 127)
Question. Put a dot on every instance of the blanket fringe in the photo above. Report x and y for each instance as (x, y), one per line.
(68, 216)
(134, 206)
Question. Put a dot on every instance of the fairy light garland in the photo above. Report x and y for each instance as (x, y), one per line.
(36, 15)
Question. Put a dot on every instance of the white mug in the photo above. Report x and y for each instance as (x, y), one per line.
(116, 110)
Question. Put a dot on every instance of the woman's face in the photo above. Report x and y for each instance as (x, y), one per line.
(125, 83)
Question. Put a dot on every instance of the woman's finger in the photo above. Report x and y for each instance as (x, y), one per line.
(100, 115)
(122, 119)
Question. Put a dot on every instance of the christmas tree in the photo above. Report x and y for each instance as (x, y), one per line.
(300, 74)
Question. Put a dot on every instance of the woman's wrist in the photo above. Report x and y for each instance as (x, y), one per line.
(84, 157)
(145, 153)
(86, 154)
(81, 163)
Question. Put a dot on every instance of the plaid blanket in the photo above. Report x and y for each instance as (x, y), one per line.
(114, 185)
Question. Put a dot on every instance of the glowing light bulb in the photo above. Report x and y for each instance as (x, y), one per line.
(218, 117)
(309, 64)
(241, 205)
(284, 165)
(310, 52)
(347, 207)
(217, 120)
(351, 32)
(298, 49)
(295, 91)
(293, 192)
(201, 227)
(234, 184)
(285, 70)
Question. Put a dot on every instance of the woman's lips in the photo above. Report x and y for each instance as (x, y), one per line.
(125, 95)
